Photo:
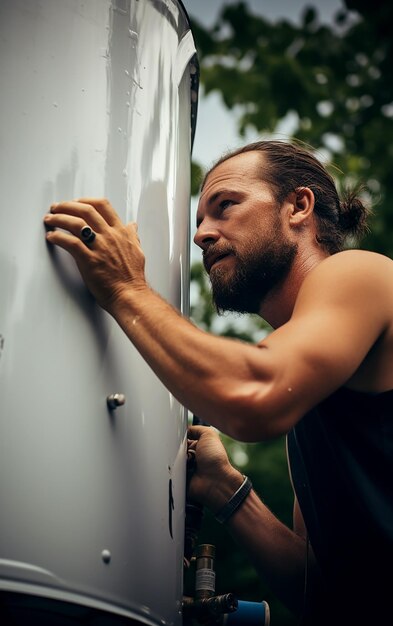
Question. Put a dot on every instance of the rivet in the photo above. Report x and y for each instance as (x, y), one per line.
(114, 400)
(106, 556)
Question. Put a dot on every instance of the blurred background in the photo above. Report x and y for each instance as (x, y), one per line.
(321, 72)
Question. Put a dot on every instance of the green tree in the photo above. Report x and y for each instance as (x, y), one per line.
(335, 81)
(335, 84)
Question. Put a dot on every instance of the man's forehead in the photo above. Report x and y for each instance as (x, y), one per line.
(240, 169)
(238, 165)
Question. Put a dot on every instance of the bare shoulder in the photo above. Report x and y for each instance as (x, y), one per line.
(353, 268)
(350, 260)
(347, 302)
(357, 281)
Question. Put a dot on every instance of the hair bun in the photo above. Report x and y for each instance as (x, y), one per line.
(353, 214)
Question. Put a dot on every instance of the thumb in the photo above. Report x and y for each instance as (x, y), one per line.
(196, 432)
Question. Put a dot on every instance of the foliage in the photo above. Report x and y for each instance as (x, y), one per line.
(335, 84)
(196, 177)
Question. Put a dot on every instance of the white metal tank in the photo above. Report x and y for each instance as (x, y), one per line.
(96, 100)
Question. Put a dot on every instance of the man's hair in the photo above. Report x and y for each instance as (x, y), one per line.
(287, 167)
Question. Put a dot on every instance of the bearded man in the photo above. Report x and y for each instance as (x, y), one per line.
(274, 233)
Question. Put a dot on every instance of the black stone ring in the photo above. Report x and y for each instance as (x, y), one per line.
(87, 234)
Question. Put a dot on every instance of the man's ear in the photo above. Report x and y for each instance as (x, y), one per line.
(303, 201)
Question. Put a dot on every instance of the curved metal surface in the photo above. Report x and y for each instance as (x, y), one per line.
(95, 100)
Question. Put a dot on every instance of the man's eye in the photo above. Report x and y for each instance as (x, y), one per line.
(224, 204)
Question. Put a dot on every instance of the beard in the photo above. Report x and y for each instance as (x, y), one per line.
(257, 271)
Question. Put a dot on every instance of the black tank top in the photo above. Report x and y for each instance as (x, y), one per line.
(341, 460)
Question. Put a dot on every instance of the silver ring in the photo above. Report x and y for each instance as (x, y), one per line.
(87, 234)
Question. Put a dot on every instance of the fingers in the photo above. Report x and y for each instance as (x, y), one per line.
(191, 458)
(67, 241)
(73, 224)
(79, 210)
(73, 215)
(191, 444)
(195, 432)
(104, 208)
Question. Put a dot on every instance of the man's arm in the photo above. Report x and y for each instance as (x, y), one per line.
(249, 392)
(277, 553)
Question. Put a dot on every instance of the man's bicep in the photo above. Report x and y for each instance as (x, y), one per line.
(342, 315)
(318, 351)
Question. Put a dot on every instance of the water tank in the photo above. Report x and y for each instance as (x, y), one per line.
(98, 98)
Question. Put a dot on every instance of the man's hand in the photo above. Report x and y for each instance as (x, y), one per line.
(113, 262)
(214, 479)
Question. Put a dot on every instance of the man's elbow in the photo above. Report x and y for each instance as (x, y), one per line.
(257, 415)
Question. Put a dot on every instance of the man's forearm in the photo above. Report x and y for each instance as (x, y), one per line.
(227, 383)
(277, 553)
(203, 371)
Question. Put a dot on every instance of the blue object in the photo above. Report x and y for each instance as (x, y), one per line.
(249, 614)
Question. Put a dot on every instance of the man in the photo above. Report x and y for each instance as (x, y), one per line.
(273, 232)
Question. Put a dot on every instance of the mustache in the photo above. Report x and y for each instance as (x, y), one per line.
(210, 254)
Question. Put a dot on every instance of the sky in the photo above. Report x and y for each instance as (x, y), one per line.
(216, 128)
(212, 115)
(207, 10)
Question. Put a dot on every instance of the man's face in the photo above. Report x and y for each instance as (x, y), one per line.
(245, 250)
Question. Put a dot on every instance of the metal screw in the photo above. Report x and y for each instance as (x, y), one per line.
(106, 556)
(115, 400)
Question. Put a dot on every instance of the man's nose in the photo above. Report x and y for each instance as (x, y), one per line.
(205, 235)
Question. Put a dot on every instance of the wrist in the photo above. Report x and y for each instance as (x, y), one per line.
(126, 298)
(235, 501)
(223, 489)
